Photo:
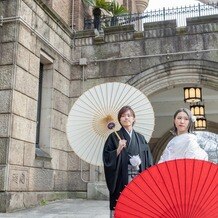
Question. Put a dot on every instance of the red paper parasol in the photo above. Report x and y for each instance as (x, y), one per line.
(184, 188)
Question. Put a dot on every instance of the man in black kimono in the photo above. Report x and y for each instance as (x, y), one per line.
(118, 152)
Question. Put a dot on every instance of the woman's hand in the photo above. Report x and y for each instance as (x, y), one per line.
(121, 146)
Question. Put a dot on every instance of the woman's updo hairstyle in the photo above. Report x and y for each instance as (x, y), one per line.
(191, 120)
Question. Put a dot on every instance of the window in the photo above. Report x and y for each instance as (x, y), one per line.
(39, 105)
(44, 106)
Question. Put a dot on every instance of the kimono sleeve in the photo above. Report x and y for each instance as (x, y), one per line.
(195, 151)
(110, 160)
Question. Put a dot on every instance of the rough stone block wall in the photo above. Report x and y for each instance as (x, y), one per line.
(24, 179)
(7, 38)
(78, 14)
(63, 8)
(110, 54)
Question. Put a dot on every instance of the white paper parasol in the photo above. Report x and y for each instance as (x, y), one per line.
(87, 122)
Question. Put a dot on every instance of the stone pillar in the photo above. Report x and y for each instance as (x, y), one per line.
(141, 5)
(7, 73)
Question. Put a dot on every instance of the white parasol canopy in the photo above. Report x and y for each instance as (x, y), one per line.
(87, 122)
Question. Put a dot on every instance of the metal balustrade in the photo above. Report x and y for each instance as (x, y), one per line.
(179, 14)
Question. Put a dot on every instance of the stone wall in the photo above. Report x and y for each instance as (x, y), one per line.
(125, 55)
(159, 58)
(64, 9)
(30, 36)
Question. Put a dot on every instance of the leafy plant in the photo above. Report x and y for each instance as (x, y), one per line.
(116, 9)
(113, 7)
(102, 4)
(43, 202)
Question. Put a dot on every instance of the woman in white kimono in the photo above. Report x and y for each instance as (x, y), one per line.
(184, 144)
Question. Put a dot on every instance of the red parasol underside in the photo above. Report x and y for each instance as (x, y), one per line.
(184, 188)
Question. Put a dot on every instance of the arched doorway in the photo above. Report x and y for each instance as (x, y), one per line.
(165, 104)
(164, 84)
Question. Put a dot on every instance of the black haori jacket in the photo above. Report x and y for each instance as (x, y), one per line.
(116, 167)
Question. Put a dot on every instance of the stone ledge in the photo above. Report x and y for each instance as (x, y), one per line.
(40, 154)
(55, 17)
(119, 29)
(202, 20)
(160, 25)
(97, 191)
(85, 34)
(98, 40)
(181, 30)
(138, 35)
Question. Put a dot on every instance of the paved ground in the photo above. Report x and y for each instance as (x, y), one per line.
(75, 208)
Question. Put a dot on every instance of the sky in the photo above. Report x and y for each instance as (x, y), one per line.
(157, 4)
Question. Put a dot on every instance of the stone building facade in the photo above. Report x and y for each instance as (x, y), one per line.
(73, 12)
(41, 76)
(31, 36)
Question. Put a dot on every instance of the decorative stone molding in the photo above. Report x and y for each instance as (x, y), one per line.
(154, 79)
(202, 20)
(99, 40)
(138, 35)
(207, 1)
(119, 29)
(141, 5)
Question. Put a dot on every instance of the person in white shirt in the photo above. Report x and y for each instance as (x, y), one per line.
(184, 144)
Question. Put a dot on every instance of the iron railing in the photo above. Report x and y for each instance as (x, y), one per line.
(179, 14)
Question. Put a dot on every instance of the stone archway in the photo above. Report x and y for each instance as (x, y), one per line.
(172, 75)
(176, 73)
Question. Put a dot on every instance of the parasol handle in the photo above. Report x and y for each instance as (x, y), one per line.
(111, 125)
(117, 135)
